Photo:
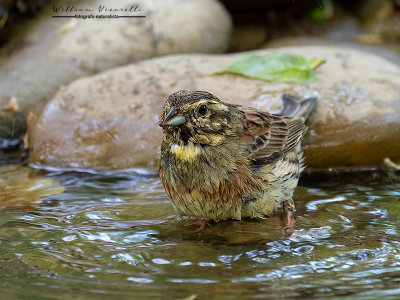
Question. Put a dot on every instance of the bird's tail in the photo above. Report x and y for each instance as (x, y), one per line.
(296, 108)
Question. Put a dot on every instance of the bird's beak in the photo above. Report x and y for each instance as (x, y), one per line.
(173, 118)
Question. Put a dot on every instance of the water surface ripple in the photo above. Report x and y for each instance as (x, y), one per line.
(116, 234)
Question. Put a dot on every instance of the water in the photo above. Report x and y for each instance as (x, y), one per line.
(116, 235)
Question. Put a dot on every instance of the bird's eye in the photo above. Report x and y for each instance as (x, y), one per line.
(203, 110)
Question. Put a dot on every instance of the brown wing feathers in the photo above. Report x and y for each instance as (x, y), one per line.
(296, 131)
(268, 136)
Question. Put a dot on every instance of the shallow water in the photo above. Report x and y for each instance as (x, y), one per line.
(115, 234)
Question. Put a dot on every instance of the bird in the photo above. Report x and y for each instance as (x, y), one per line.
(226, 161)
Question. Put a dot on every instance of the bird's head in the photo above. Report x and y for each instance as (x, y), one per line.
(198, 117)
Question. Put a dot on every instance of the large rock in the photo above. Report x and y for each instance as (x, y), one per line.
(109, 121)
(57, 51)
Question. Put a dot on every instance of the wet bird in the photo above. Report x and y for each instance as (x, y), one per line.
(225, 161)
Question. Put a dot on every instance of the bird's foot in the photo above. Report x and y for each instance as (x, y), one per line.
(201, 224)
(290, 221)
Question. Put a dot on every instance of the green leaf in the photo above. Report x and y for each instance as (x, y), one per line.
(281, 67)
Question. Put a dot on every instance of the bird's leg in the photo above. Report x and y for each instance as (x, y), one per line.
(202, 223)
(289, 209)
